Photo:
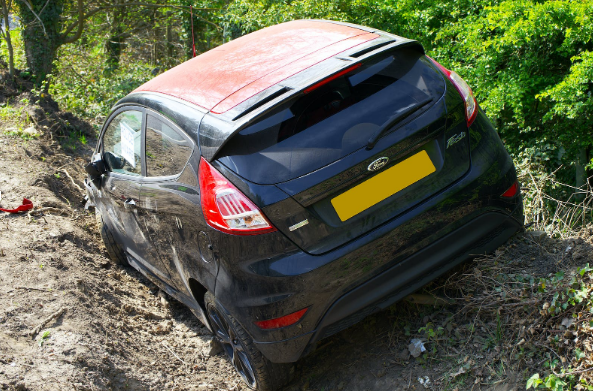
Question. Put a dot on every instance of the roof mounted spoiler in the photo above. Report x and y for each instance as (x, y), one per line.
(216, 130)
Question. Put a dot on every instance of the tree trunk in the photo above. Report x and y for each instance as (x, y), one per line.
(7, 38)
(114, 44)
(156, 39)
(169, 33)
(41, 41)
(581, 173)
(589, 172)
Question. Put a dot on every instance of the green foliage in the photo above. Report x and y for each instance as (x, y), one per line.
(571, 104)
(578, 292)
(208, 31)
(17, 46)
(534, 381)
(550, 382)
(18, 132)
(584, 270)
(81, 86)
(247, 16)
(9, 112)
(432, 335)
(16, 121)
(430, 332)
(572, 96)
(517, 56)
(420, 20)
(569, 297)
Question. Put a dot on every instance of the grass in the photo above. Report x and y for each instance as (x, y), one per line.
(9, 113)
(26, 134)
(16, 121)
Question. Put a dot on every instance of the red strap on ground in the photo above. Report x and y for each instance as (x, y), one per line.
(27, 205)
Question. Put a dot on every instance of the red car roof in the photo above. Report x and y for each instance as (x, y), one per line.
(229, 74)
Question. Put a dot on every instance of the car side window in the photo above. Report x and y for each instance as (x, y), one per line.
(122, 143)
(167, 151)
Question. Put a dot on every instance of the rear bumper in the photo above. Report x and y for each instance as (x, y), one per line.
(479, 236)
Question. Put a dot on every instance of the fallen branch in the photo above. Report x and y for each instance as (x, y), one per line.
(48, 209)
(74, 183)
(53, 316)
(428, 300)
(171, 350)
(32, 289)
(574, 372)
(512, 304)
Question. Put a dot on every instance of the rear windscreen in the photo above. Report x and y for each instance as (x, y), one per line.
(332, 121)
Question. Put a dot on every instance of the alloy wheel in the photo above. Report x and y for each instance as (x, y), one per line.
(227, 337)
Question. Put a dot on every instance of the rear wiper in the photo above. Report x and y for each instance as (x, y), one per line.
(403, 115)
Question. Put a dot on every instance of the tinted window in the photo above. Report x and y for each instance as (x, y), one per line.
(332, 121)
(167, 151)
(122, 143)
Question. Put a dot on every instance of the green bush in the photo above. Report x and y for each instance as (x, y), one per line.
(81, 85)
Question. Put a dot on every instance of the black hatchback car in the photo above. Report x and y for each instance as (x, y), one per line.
(289, 183)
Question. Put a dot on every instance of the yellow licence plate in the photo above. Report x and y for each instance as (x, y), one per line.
(383, 185)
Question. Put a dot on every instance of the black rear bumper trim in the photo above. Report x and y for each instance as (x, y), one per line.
(480, 236)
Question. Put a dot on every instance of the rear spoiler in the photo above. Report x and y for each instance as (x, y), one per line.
(217, 129)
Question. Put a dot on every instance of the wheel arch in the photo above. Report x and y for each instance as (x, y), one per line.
(198, 291)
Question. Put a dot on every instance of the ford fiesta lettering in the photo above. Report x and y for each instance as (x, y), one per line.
(289, 183)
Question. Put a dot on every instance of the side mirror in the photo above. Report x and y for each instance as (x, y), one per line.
(95, 169)
(113, 161)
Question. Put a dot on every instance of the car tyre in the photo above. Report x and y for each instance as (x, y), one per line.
(256, 371)
(114, 249)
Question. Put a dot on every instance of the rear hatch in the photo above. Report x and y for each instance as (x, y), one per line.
(357, 151)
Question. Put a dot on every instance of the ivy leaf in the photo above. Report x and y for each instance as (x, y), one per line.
(533, 381)
(585, 270)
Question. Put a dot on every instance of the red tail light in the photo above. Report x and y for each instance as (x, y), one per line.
(465, 91)
(511, 191)
(226, 208)
(283, 321)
